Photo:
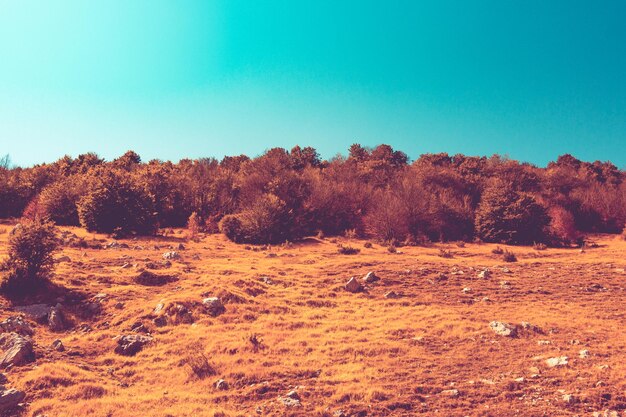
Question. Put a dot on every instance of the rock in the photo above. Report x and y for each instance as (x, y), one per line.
(370, 278)
(392, 295)
(171, 255)
(213, 306)
(159, 308)
(557, 361)
(18, 350)
(221, 385)
(130, 345)
(63, 258)
(10, 399)
(454, 393)
(56, 320)
(505, 285)
(606, 413)
(160, 321)
(484, 274)
(267, 280)
(16, 324)
(114, 244)
(531, 327)
(150, 279)
(126, 266)
(583, 354)
(569, 399)
(466, 290)
(503, 329)
(353, 286)
(180, 246)
(292, 399)
(58, 345)
(37, 312)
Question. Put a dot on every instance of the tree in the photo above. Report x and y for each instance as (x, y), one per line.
(506, 216)
(31, 246)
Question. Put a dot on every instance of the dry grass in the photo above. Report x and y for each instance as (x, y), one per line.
(289, 324)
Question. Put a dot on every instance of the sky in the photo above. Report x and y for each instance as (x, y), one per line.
(530, 79)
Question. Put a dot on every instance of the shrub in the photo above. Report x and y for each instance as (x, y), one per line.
(30, 261)
(497, 250)
(509, 256)
(348, 250)
(367, 245)
(443, 253)
(562, 227)
(392, 249)
(58, 202)
(232, 228)
(506, 216)
(116, 204)
(540, 246)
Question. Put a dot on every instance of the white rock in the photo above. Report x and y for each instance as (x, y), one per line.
(557, 361)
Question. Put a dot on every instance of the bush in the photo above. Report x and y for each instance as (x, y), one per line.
(497, 250)
(116, 204)
(509, 256)
(232, 228)
(30, 261)
(348, 250)
(562, 227)
(266, 221)
(443, 253)
(507, 216)
(58, 202)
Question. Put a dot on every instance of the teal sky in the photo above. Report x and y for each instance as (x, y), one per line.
(171, 79)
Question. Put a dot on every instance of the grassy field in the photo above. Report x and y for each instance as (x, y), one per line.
(293, 341)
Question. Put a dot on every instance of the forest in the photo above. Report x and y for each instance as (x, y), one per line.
(285, 195)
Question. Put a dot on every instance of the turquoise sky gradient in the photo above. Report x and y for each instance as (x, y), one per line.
(172, 79)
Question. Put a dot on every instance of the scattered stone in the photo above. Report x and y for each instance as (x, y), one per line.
(213, 306)
(114, 244)
(151, 279)
(370, 278)
(16, 324)
(221, 385)
(544, 342)
(10, 398)
(454, 393)
(58, 345)
(484, 274)
(606, 413)
(503, 329)
(466, 290)
(171, 255)
(119, 305)
(130, 345)
(63, 258)
(505, 285)
(600, 384)
(569, 399)
(441, 277)
(583, 354)
(126, 266)
(353, 286)
(18, 350)
(557, 361)
(56, 320)
(531, 327)
(37, 312)
(292, 399)
(392, 295)
(267, 280)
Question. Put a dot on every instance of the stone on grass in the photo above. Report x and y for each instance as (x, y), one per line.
(353, 286)
(17, 350)
(130, 345)
(10, 398)
(16, 324)
(213, 306)
(37, 312)
(370, 277)
(171, 255)
(557, 361)
(503, 329)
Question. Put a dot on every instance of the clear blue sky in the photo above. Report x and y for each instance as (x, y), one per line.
(531, 79)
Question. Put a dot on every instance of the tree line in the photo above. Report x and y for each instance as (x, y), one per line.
(288, 194)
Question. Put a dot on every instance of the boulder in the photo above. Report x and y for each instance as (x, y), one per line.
(370, 277)
(16, 324)
(37, 312)
(130, 345)
(392, 295)
(171, 255)
(292, 399)
(150, 279)
(503, 329)
(557, 361)
(484, 274)
(10, 398)
(353, 286)
(213, 306)
(58, 345)
(221, 385)
(17, 350)
(63, 258)
(56, 319)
